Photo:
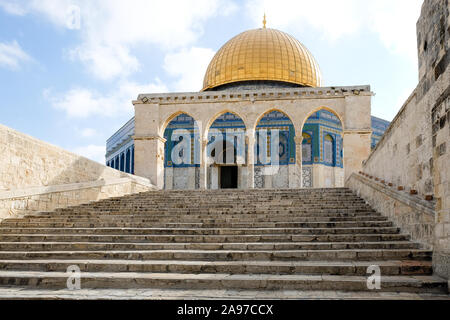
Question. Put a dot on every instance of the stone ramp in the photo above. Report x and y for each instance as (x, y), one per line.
(263, 240)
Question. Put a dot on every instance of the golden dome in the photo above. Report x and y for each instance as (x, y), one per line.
(263, 54)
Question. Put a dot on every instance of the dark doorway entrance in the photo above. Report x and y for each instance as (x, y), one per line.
(229, 177)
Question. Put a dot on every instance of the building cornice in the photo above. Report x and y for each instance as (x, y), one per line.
(149, 137)
(254, 95)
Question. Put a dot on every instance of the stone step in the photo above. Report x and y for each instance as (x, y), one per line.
(208, 210)
(82, 246)
(203, 239)
(358, 268)
(203, 231)
(91, 224)
(320, 239)
(200, 203)
(227, 255)
(208, 215)
(132, 218)
(231, 205)
(58, 280)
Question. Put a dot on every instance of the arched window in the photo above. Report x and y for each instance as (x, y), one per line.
(328, 150)
(307, 148)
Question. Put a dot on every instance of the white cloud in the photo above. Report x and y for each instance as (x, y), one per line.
(58, 12)
(82, 102)
(189, 67)
(88, 132)
(13, 7)
(11, 55)
(395, 24)
(93, 152)
(393, 21)
(106, 62)
(110, 30)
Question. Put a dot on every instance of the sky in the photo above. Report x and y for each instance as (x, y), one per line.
(69, 69)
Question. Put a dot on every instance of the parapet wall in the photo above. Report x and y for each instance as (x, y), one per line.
(29, 162)
(19, 203)
(36, 176)
(410, 213)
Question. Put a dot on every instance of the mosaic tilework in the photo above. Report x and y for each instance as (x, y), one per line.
(318, 126)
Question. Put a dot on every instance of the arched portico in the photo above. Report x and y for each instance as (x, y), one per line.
(353, 111)
(323, 152)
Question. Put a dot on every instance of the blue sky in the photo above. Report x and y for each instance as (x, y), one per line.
(69, 69)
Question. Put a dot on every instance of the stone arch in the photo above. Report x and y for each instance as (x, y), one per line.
(339, 116)
(225, 149)
(262, 115)
(218, 115)
(327, 134)
(170, 119)
(287, 141)
(181, 152)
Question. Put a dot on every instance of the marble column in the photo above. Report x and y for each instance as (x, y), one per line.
(297, 174)
(250, 140)
(203, 165)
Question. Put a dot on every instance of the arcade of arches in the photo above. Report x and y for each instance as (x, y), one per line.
(333, 141)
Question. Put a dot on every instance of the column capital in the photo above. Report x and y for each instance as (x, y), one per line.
(298, 139)
(250, 133)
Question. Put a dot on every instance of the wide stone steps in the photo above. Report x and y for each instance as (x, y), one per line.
(74, 246)
(228, 255)
(347, 224)
(203, 231)
(197, 215)
(319, 239)
(203, 238)
(134, 219)
(57, 280)
(209, 210)
(393, 267)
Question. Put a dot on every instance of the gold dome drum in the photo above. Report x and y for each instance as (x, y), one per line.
(263, 55)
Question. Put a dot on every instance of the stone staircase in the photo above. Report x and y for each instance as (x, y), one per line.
(320, 239)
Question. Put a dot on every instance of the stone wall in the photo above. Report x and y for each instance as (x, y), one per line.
(14, 204)
(404, 154)
(435, 67)
(28, 162)
(441, 154)
(414, 151)
(35, 176)
(410, 213)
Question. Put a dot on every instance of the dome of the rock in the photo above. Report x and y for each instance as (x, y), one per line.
(262, 55)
